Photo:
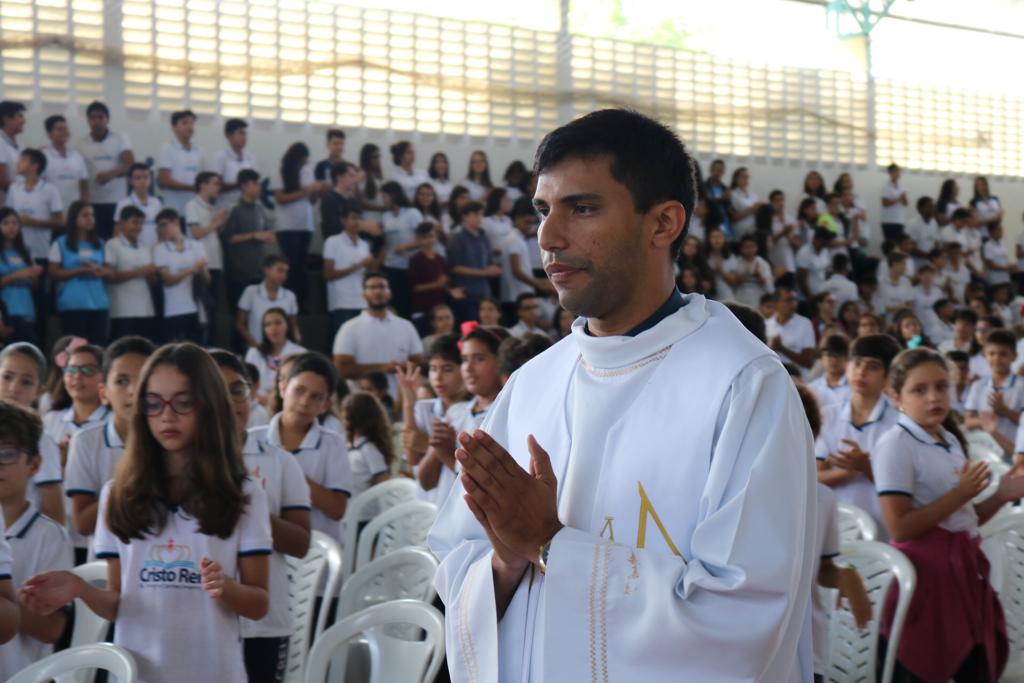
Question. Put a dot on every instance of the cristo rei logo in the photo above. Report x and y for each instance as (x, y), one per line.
(170, 565)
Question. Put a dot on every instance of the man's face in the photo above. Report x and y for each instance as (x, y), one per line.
(377, 293)
(239, 138)
(60, 133)
(336, 148)
(591, 236)
(276, 274)
(786, 304)
(185, 127)
(529, 312)
(13, 125)
(98, 123)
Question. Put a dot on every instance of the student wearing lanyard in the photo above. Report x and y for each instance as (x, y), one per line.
(77, 262)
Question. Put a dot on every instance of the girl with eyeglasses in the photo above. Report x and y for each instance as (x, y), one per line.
(76, 399)
(184, 529)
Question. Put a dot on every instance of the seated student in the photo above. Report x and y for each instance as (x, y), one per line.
(528, 314)
(790, 334)
(924, 231)
(346, 258)
(964, 322)
(77, 262)
(978, 364)
(838, 283)
(767, 306)
(926, 293)
(421, 416)
(131, 304)
(95, 451)
(927, 487)
(995, 401)
(908, 331)
(956, 273)
(962, 381)
(442, 321)
(428, 275)
(753, 274)
(998, 269)
(33, 542)
(282, 479)
(895, 291)
(276, 343)
(851, 429)
(832, 386)
(812, 262)
(960, 231)
(376, 383)
(1001, 305)
(258, 299)
(514, 352)
(941, 328)
(179, 259)
(258, 415)
(139, 198)
(371, 449)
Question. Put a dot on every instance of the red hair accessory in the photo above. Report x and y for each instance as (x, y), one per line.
(469, 327)
(62, 358)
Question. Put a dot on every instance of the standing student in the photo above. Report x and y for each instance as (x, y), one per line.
(850, 430)
(471, 260)
(516, 268)
(308, 388)
(184, 530)
(247, 237)
(428, 275)
(424, 200)
(179, 259)
(205, 221)
(38, 204)
(346, 258)
(516, 179)
(108, 156)
(295, 190)
(478, 177)
(282, 480)
(277, 342)
(131, 303)
(65, 167)
(832, 386)
(37, 543)
(229, 162)
(838, 283)
(373, 177)
(987, 210)
(343, 196)
(335, 155)
(497, 224)
(785, 238)
(894, 205)
(139, 178)
(439, 171)
(745, 203)
(179, 162)
(258, 299)
(926, 486)
(998, 268)
(403, 155)
(18, 277)
(398, 222)
(371, 447)
(719, 201)
(12, 123)
(996, 399)
(78, 264)
(452, 217)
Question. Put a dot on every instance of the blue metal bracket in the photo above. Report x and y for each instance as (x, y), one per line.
(856, 18)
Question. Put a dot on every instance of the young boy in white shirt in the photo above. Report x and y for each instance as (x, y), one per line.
(998, 268)
(205, 222)
(179, 162)
(925, 230)
(838, 283)
(994, 402)
(37, 543)
(131, 304)
(139, 197)
(832, 386)
(179, 260)
(895, 291)
(65, 167)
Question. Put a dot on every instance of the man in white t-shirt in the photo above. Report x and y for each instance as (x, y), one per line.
(894, 202)
(516, 267)
(179, 163)
(37, 203)
(108, 156)
(140, 198)
(228, 162)
(12, 122)
(204, 221)
(377, 340)
(346, 258)
(790, 334)
(65, 167)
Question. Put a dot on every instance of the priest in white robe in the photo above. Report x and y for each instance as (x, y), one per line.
(638, 505)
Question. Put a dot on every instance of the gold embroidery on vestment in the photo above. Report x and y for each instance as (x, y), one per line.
(646, 508)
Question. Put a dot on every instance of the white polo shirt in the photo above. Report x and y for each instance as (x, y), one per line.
(284, 483)
(836, 425)
(153, 206)
(268, 366)
(6, 561)
(346, 292)
(258, 416)
(410, 180)
(828, 395)
(49, 468)
(366, 462)
(92, 456)
(841, 288)
(228, 164)
(105, 155)
(256, 301)
(514, 244)
(129, 298)
(477, 192)
(908, 461)
(925, 235)
(184, 165)
(193, 637)
(323, 457)
(58, 424)
(178, 299)
(995, 252)
(199, 213)
(442, 188)
(897, 212)
(816, 264)
(41, 202)
(297, 215)
(65, 171)
(797, 334)
(1013, 396)
(9, 153)
(889, 294)
(37, 544)
(374, 340)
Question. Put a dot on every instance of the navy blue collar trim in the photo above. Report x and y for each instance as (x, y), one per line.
(28, 525)
(672, 304)
(915, 437)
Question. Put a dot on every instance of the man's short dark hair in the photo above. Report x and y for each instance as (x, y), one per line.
(9, 109)
(835, 345)
(940, 304)
(125, 346)
(881, 347)
(965, 314)
(95, 106)
(248, 175)
(1002, 337)
(961, 214)
(471, 207)
(167, 215)
(373, 275)
(893, 167)
(131, 211)
(51, 122)
(445, 347)
(271, 260)
(646, 157)
(840, 261)
(525, 296)
(137, 166)
(339, 169)
(232, 125)
(180, 115)
(958, 356)
(823, 235)
(37, 158)
(204, 177)
(333, 133)
(514, 352)
(923, 202)
(21, 428)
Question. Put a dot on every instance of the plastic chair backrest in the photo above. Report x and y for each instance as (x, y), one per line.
(406, 574)
(403, 526)
(855, 524)
(304, 579)
(392, 659)
(364, 507)
(1003, 543)
(89, 627)
(853, 652)
(334, 556)
(117, 661)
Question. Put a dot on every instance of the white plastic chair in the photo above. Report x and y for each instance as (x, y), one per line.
(1003, 543)
(853, 652)
(403, 526)
(89, 627)
(86, 658)
(364, 507)
(405, 574)
(392, 659)
(305, 575)
(981, 445)
(334, 561)
(855, 524)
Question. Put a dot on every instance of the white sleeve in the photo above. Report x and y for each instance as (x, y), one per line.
(55, 255)
(807, 342)
(291, 304)
(415, 343)
(337, 470)
(165, 159)
(893, 466)
(49, 467)
(975, 396)
(161, 257)
(253, 530)
(105, 543)
(245, 302)
(374, 459)
(828, 514)
(192, 213)
(1018, 446)
(294, 487)
(345, 342)
(110, 254)
(126, 143)
(79, 474)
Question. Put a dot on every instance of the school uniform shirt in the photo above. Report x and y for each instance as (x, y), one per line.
(9, 153)
(797, 334)
(82, 292)
(198, 212)
(173, 629)
(6, 560)
(49, 468)
(105, 155)
(92, 457)
(909, 461)
(1012, 390)
(60, 424)
(782, 253)
(151, 207)
(178, 298)
(514, 244)
(828, 395)
(256, 301)
(836, 425)
(899, 293)
(521, 329)
(184, 165)
(37, 544)
(896, 212)
(278, 473)
(344, 252)
(995, 252)
(742, 200)
(840, 287)
(497, 229)
(399, 228)
(442, 188)
(757, 280)
(366, 462)
(228, 164)
(985, 209)
(425, 411)
(477, 192)
(16, 296)
(323, 457)
(410, 180)
(827, 548)
(816, 263)
(129, 298)
(925, 234)
(924, 300)
(958, 278)
(268, 366)
(369, 339)
(978, 366)
(41, 202)
(65, 171)
(723, 290)
(938, 331)
(297, 215)
(258, 416)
